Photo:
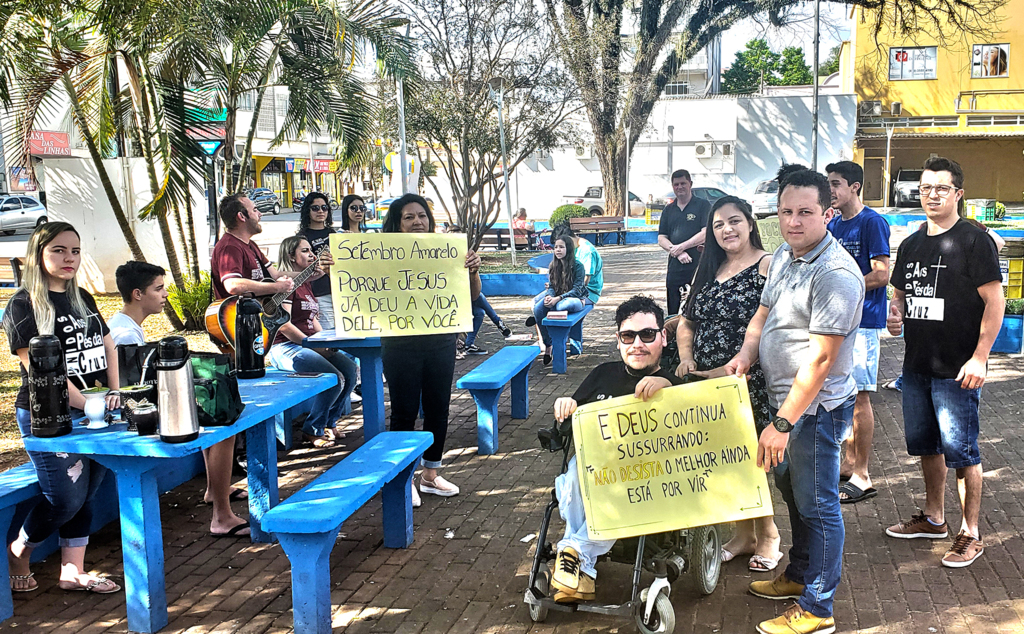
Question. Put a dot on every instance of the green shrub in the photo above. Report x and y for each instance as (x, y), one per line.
(1000, 211)
(561, 215)
(1015, 307)
(191, 301)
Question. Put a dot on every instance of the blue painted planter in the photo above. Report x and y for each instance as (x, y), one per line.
(495, 284)
(1011, 335)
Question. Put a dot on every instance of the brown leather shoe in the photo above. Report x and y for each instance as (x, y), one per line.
(963, 552)
(586, 591)
(918, 527)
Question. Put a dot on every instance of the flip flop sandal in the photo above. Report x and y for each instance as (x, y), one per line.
(93, 587)
(236, 495)
(855, 494)
(760, 563)
(318, 442)
(32, 587)
(233, 532)
(843, 478)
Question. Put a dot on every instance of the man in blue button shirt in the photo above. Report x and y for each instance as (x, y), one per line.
(865, 235)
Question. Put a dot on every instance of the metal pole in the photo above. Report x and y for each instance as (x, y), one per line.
(888, 152)
(814, 78)
(504, 167)
(401, 128)
(625, 194)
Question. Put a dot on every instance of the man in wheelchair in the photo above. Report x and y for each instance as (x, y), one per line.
(640, 332)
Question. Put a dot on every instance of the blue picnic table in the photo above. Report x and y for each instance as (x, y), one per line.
(135, 460)
(371, 373)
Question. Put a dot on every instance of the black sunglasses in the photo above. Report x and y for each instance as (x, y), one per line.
(319, 207)
(647, 335)
(357, 207)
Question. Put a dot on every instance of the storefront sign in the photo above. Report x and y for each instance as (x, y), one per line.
(990, 60)
(301, 165)
(912, 63)
(685, 458)
(42, 143)
(289, 165)
(321, 165)
(395, 285)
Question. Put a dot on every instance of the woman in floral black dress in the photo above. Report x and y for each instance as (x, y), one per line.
(726, 293)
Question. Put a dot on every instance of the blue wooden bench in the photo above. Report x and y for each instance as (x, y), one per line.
(307, 523)
(486, 383)
(561, 330)
(17, 485)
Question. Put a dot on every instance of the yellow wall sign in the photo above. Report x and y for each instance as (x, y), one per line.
(400, 284)
(685, 458)
(771, 234)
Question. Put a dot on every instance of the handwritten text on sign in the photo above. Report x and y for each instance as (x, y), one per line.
(771, 234)
(395, 284)
(685, 458)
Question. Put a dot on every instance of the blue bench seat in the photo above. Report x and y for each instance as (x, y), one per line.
(17, 485)
(307, 523)
(486, 383)
(561, 330)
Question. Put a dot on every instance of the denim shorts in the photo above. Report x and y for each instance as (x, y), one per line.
(865, 359)
(940, 417)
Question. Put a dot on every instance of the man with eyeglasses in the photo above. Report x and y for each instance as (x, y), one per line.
(804, 334)
(948, 302)
(640, 334)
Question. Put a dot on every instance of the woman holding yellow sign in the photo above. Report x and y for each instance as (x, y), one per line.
(726, 293)
(419, 369)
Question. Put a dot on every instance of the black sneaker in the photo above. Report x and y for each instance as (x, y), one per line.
(506, 332)
(473, 349)
(531, 321)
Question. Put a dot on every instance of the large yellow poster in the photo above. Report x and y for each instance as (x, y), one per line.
(770, 232)
(399, 284)
(685, 458)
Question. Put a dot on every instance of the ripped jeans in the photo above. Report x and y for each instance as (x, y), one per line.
(69, 483)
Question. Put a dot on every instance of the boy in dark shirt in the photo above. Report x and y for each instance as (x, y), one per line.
(641, 335)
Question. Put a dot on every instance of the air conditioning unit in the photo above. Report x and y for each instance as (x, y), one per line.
(704, 150)
(727, 149)
(584, 152)
(871, 108)
(896, 108)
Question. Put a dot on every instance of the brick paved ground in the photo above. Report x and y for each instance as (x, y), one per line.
(466, 571)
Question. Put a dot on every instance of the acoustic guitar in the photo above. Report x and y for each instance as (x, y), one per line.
(220, 315)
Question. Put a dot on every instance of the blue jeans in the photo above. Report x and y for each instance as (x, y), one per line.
(481, 307)
(940, 417)
(808, 479)
(540, 311)
(69, 482)
(327, 406)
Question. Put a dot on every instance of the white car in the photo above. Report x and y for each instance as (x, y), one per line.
(765, 201)
(20, 212)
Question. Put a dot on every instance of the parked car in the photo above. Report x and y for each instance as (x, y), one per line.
(266, 200)
(710, 194)
(593, 200)
(765, 201)
(20, 212)
(904, 189)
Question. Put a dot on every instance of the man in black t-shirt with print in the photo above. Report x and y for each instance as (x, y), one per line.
(948, 298)
(641, 336)
(680, 232)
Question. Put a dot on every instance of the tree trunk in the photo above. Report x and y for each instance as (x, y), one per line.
(190, 221)
(611, 156)
(108, 187)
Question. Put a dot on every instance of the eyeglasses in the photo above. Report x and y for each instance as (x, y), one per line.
(319, 207)
(357, 208)
(941, 190)
(647, 335)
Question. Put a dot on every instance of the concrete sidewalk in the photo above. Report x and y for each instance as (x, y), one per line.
(467, 569)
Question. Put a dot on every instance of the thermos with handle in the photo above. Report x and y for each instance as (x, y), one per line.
(249, 345)
(176, 395)
(48, 387)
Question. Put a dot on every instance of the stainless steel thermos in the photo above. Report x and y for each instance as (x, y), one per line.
(48, 387)
(249, 345)
(176, 395)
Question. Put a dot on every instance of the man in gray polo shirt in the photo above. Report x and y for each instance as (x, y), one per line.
(804, 333)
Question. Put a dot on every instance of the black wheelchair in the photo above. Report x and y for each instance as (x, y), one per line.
(692, 557)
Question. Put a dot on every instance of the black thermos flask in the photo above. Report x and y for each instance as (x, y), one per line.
(249, 345)
(48, 387)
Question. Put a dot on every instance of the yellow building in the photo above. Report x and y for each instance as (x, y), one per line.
(963, 99)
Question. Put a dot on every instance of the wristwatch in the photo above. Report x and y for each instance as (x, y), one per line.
(782, 425)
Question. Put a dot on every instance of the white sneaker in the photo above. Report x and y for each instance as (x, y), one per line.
(439, 486)
(355, 398)
(416, 501)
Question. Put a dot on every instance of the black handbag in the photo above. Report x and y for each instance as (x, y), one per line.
(132, 358)
(218, 402)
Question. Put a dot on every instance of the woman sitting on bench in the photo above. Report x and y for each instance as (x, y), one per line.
(288, 354)
(50, 302)
(566, 290)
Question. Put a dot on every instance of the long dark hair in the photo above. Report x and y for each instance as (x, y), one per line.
(345, 222)
(714, 255)
(307, 202)
(560, 275)
(393, 221)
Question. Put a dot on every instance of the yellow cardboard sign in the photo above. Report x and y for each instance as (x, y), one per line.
(771, 234)
(400, 284)
(685, 458)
